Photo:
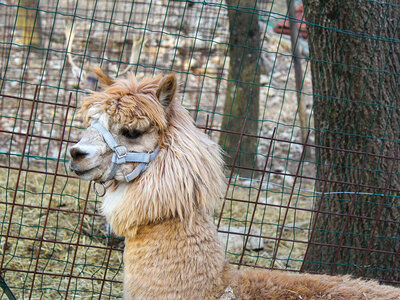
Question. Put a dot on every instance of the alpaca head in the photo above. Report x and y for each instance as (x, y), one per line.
(135, 113)
(184, 178)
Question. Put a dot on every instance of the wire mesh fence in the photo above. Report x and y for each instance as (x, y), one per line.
(278, 210)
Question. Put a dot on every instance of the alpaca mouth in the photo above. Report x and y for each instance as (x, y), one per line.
(81, 173)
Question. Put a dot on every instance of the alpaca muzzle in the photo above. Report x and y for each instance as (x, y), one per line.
(122, 156)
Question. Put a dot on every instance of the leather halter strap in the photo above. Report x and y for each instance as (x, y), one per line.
(122, 156)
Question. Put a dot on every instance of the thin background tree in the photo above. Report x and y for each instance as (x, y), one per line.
(243, 91)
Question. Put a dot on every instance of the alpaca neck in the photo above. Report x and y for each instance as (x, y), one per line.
(174, 260)
(185, 178)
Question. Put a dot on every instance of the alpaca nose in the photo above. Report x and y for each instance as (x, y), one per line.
(77, 153)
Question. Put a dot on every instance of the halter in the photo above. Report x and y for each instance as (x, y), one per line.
(121, 156)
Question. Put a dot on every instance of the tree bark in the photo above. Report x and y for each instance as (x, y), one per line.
(242, 95)
(355, 63)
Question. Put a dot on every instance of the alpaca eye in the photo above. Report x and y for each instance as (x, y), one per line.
(131, 133)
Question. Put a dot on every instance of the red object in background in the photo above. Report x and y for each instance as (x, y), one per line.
(283, 26)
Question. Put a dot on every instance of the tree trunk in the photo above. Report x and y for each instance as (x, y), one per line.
(242, 95)
(355, 60)
(28, 20)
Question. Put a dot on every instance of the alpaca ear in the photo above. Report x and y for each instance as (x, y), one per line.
(103, 77)
(166, 90)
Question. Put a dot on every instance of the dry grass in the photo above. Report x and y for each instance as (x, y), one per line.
(69, 194)
(269, 216)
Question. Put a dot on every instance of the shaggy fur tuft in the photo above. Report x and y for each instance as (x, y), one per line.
(128, 102)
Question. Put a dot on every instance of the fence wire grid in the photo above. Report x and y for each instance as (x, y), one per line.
(308, 188)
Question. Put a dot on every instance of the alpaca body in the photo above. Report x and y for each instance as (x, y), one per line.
(177, 260)
(172, 250)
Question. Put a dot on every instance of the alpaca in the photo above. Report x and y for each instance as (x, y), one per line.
(161, 178)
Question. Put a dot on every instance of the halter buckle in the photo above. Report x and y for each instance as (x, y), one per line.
(121, 151)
